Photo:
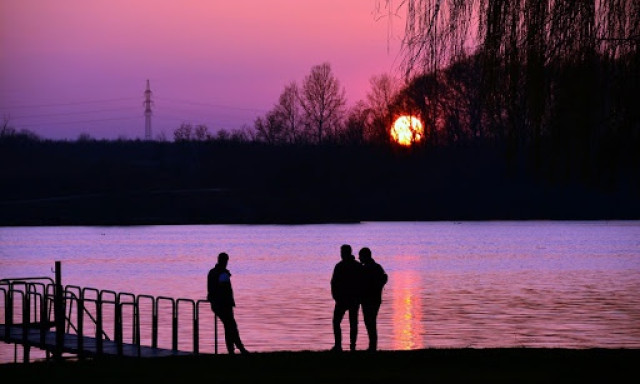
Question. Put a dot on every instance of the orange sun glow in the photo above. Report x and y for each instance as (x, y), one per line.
(407, 130)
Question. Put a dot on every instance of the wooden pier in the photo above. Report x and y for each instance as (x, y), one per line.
(42, 313)
(70, 344)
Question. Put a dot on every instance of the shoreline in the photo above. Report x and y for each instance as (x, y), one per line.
(426, 365)
(300, 223)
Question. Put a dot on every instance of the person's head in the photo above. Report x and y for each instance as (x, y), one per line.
(345, 251)
(223, 259)
(365, 255)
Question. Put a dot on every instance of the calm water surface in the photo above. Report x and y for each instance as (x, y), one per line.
(469, 284)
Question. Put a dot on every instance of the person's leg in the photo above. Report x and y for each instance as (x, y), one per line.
(224, 315)
(366, 315)
(338, 315)
(353, 325)
(234, 333)
(370, 314)
(228, 322)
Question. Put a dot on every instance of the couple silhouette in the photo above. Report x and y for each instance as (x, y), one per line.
(356, 284)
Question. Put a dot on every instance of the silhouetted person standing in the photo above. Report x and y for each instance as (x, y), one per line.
(345, 289)
(220, 295)
(373, 280)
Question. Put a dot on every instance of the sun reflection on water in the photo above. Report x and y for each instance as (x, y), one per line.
(407, 311)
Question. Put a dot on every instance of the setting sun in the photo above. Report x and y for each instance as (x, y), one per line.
(407, 130)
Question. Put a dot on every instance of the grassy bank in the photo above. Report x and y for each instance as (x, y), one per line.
(521, 365)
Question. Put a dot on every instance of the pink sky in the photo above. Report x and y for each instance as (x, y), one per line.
(74, 66)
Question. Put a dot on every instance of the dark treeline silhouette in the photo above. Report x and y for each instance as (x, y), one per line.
(137, 182)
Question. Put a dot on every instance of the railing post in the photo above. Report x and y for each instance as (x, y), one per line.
(8, 312)
(136, 320)
(118, 326)
(26, 318)
(44, 319)
(59, 312)
(5, 298)
(174, 330)
(8, 315)
(196, 331)
(99, 331)
(80, 326)
(154, 326)
(49, 304)
(139, 320)
(136, 326)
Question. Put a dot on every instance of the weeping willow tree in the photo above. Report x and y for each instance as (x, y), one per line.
(566, 69)
(438, 32)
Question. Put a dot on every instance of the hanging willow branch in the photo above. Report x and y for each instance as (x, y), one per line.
(437, 32)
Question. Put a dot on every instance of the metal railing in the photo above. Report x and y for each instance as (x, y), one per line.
(32, 294)
(85, 308)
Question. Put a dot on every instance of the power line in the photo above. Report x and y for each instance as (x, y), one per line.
(210, 104)
(211, 123)
(199, 113)
(70, 103)
(74, 113)
(223, 115)
(79, 121)
(181, 101)
(171, 100)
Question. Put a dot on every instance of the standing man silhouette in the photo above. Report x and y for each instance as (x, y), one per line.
(373, 280)
(345, 290)
(220, 295)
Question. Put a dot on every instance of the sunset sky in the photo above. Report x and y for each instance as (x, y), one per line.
(74, 66)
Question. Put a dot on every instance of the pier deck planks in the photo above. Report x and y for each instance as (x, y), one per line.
(89, 348)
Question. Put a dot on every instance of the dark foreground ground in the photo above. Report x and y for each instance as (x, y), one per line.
(520, 365)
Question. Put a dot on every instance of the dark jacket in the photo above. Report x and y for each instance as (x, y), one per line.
(346, 281)
(373, 280)
(219, 291)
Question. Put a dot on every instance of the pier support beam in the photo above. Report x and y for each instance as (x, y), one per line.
(58, 310)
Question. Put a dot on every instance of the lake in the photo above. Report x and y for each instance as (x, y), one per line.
(490, 284)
